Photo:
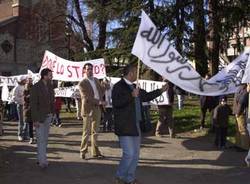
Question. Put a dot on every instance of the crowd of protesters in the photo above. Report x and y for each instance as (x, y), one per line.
(97, 105)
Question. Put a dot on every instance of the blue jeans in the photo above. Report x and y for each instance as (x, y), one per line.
(42, 134)
(22, 126)
(130, 155)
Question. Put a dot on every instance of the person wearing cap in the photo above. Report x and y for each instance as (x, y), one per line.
(18, 98)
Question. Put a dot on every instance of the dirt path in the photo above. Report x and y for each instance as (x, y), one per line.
(185, 160)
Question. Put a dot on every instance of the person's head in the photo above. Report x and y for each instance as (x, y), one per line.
(130, 72)
(88, 70)
(29, 82)
(46, 74)
(22, 80)
(223, 100)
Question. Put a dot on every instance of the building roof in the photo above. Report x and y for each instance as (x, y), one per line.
(7, 20)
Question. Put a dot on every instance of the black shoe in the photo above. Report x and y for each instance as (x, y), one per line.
(100, 156)
(82, 156)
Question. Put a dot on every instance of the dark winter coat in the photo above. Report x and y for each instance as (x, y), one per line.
(124, 107)
(221, 115)
(26, 105)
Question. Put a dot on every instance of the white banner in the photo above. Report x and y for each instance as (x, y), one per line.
(9, 81)
(5, 96)
(12, 80)
(158, 53)
(246, 77)
(69, 92)
(73, 91)
(66, 70)
(148, 85)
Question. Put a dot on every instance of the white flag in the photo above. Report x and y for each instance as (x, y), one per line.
(158, 53)
(246, 77)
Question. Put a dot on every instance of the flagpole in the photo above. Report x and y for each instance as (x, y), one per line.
(248, 114)
(138, 73)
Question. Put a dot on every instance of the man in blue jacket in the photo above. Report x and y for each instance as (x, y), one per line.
(127, 101)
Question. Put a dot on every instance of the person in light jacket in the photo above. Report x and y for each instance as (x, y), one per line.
(18, 98)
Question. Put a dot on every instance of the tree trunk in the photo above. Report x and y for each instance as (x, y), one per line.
(200, 38)
(102, 24)
(89, 43)
(214, 36)
(179, 16)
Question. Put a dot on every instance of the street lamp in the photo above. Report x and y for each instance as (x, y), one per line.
(68, 35)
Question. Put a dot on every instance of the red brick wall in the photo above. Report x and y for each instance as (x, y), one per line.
(5, 9)
(33, 37)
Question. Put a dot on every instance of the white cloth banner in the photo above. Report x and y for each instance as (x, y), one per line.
(148, 85)
(69, 92)
(157, 52)
(246, 77)
(12, 80)
(5, 96)
(66, 70)
(9, 81)
(73, 91)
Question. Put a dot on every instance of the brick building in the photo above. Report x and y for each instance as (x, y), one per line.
(27, 29)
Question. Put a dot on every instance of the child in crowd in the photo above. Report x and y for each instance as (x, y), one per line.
(1, 117)
(58, 106)
(220, 119)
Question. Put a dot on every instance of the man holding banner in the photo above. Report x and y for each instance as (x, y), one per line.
(92, 101)
(127, 101)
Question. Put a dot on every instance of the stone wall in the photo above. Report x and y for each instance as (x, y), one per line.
(6, 48)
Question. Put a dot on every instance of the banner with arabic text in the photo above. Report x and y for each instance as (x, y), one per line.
(155, 51)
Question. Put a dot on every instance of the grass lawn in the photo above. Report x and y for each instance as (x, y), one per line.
(187, 119)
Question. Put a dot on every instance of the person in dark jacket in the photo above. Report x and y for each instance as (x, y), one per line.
(127, 101)
(27, 109)
(220, 119)
(42, 97)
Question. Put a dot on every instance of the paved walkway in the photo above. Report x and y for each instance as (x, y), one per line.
(185, 160)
